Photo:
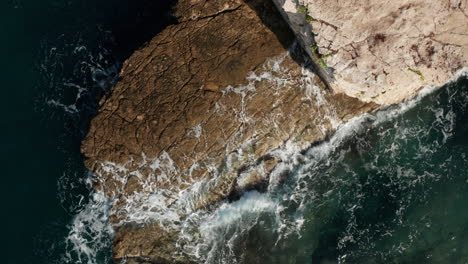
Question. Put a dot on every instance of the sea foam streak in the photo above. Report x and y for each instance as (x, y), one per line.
(203, 233)
(218, 243)
(90, 232)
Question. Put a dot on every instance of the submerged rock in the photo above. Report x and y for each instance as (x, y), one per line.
(382, 51)
(202, 113)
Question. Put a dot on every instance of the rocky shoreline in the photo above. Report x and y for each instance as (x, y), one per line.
(201, 110)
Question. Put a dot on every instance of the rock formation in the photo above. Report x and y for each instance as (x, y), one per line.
(204, 110)
(382, 51)
(196, 118)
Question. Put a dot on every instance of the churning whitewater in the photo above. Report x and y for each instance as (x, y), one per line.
(387, 187)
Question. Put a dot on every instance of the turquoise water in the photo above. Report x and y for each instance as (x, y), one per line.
(391, 187)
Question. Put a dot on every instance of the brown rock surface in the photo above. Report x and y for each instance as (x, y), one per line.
(197, 117)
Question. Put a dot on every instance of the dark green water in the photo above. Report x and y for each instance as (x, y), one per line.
(393, 191)
(58, 57)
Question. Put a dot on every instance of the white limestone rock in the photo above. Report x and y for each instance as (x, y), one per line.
(379, 50)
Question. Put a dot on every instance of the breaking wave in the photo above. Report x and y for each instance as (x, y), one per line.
(349, 199)
(369, 194)
(88, 241)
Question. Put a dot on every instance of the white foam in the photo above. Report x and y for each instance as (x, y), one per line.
(196, 131)
(230, 213)
(215, 229)
(211, 225)
(90, 232)
(290, 153)
(201, 231)
(67, 108)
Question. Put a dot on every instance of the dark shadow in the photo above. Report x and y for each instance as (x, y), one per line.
(84, 43)
(122, 27)
(272, 18)
(134, 22)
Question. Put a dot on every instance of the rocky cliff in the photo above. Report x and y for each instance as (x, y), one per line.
(201, 112)
(382, 51)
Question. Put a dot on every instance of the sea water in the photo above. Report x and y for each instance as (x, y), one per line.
(388, 187)
(57, 58)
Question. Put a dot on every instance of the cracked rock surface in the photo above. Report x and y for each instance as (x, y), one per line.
(383, 51)
(197, 117)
